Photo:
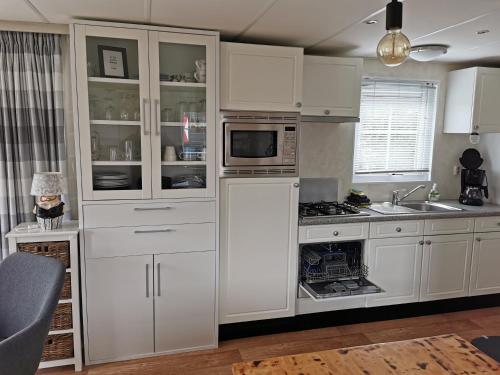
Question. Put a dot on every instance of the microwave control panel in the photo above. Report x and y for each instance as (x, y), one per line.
(290, 145)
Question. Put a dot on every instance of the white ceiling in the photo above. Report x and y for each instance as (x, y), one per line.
(334, 27)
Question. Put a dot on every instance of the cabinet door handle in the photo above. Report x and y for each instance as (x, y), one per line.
(143, 115)
(296, 185)
(298, 104)
(157, 122)
(428, 242)
(476, 127)
(147, 280)
(152, 208)
(336, 233)
(398, 229)
(478, 239)
(138, 231)
(158, 279)
(421, 242)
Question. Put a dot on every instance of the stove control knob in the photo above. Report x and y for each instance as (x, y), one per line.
(398, 229)
(336, 233)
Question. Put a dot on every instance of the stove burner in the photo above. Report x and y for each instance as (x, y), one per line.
(317, 209)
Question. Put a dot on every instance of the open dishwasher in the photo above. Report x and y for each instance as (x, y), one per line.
(334, 269)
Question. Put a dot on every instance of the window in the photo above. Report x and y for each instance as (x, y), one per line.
(395, 136)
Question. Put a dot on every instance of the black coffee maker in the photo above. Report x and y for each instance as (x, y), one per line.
(474, 181)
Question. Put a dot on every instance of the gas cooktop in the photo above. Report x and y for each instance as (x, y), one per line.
(328, 209)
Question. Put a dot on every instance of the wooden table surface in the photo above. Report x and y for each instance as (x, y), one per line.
(448, 354)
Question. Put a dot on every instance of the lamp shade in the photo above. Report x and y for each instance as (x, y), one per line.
(48, 183)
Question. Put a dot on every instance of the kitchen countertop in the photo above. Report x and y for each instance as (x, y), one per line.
(468, 211)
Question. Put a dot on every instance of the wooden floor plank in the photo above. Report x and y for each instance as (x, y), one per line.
(469, 324)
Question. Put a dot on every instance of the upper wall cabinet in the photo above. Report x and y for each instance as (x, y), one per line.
(261, 78)
(472, 101)
(332, 86)
(146, 112)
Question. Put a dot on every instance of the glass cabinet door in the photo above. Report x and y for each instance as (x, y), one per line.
(113, 97)
(183, 114)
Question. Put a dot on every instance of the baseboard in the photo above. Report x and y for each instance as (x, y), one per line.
(353, 316)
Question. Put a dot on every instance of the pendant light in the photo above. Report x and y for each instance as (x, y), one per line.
(394, 48)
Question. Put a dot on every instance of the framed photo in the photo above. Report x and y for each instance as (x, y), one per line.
(113, 61)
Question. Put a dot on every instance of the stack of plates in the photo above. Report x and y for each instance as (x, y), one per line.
(111, 180)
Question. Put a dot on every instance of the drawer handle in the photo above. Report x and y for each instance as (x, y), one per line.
(154, 231)
(153, 208)
(336, 233)
(398, 229)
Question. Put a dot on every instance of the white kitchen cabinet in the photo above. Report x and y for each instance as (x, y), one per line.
(472, 101)
(448, 226)
(258, 247)
(446, 266)
(332, 86)
(487, 224)
(400, 228)
(120, 311)
(394, 264)
(184, 301)
(485, 277)
(127, 123)
(261, 78)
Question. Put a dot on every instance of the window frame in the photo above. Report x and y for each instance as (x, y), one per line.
(378, 177)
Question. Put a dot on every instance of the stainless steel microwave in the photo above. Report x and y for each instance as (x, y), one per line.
(259, 144)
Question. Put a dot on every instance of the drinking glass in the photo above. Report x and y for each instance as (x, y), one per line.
(129, 150)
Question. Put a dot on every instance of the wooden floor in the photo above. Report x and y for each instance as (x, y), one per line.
(468, 324)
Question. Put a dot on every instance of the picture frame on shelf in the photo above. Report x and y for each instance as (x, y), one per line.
(113, 62)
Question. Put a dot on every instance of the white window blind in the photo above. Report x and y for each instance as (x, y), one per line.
(396, 131)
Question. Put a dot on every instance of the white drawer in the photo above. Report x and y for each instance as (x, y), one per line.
(333, 232)
(119, 215)
(487, 224)
(112, 242)
(390, 229)
(448, 226)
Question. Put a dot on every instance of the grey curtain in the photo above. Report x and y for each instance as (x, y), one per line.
(31, 121)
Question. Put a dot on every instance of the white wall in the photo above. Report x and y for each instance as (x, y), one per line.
(327, 149)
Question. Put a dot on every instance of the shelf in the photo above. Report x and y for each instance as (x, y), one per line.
(115, 122)
(113, 80)
(57, 363)
(116, 163)
(61, 331)
(181, 124)
(182, 162)
(65, 301)
(182, 84)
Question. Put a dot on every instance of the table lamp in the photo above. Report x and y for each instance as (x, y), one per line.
(47, 187)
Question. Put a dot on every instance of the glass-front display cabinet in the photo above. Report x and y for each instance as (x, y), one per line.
(146, 113)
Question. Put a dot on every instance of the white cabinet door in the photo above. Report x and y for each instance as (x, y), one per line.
(394, 264)
(119, 307)
(185, 301)
(113, 112)
(332, 86)
(486, 109)
(258, 266)
(261, 78)
(446, 267)
(485, 276)
(184, 114)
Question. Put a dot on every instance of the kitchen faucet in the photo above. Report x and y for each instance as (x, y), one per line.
(396, 199)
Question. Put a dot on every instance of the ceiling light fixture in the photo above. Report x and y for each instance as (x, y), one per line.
(428, 52)
(371, 22)
(481, 32)
(394, 48)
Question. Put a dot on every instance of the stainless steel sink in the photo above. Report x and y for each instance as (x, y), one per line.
(429, 207)
(408, 208)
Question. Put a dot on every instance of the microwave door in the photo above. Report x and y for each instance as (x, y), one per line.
(253, 144)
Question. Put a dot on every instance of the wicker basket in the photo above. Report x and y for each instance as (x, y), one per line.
(58, 347)
(66, 289)
(63, 317)
(57, 249)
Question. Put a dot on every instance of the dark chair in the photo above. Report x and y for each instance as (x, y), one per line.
(30, 286)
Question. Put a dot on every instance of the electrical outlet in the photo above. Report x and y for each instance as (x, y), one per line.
(456, 170)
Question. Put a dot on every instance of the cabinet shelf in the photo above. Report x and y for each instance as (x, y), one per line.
(115, 122)
(113, 80)
(116, 163)
(182, 84)
(186, 163)
(181, 124)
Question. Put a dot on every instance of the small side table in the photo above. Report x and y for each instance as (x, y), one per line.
(64, 343)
